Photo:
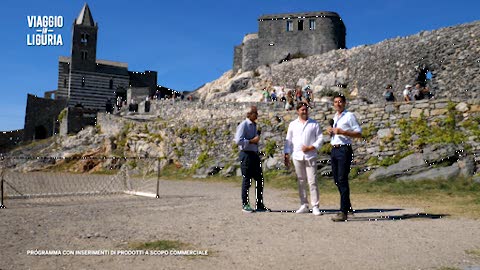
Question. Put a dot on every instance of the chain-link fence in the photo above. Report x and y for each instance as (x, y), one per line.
(50, 186)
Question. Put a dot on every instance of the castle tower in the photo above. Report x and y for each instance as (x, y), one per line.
(289, 35)
(84, 41)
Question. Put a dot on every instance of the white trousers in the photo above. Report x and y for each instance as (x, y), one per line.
(306, 170)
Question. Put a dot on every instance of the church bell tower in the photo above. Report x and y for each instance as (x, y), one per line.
(84, 43)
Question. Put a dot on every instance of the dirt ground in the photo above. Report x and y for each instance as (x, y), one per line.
(208, 217)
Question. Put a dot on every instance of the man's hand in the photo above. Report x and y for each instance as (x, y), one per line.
(287, 160)
(255, 140)
(336, 131)
(307, 148)
(352, 134)
(329, 131)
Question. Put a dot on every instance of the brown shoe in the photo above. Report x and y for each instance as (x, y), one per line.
(340, 217)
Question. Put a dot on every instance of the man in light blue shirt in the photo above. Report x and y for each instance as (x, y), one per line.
(247, 137)
(344, 128)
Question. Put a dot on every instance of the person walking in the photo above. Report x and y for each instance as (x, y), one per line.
(344, 128)
(247, 138)
(304, 138)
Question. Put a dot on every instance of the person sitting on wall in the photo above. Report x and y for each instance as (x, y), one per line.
(298, 94)
(119, 103)
(147, 104)
(308, 95)
(133, 106)
(289, 103)
(266, 95)
(427, 93)
(407, 93)
(418, 92)
(281, 94)
(388, 94)
(109, 106)
(157, 95)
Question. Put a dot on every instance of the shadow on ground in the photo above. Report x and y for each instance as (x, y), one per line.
(357, 211)
(375, 218)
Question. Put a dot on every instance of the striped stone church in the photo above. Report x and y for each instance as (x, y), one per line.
(84, 82)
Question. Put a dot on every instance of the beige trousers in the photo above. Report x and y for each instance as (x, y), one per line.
(306, 170)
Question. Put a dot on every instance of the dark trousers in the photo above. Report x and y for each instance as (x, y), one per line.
(251, 167)
(341, 161)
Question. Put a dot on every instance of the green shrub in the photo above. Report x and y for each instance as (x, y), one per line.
(442, 131)
(390, 160)
(234, 147)
(227, 132)
(203, 132)
(270, 148)
(202, 158)
(326, 148)
(372, 161)
(472, 125)
(62, 115)
(354, 171)
(369, 132)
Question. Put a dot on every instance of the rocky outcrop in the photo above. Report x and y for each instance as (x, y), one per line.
(408, 165)
(439, 161)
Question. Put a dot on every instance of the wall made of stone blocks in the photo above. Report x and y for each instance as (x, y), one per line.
(221, 120)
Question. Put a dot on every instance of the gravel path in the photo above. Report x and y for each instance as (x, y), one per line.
(208, 216)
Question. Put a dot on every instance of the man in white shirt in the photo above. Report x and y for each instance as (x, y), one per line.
(304, 137)
(345, 127)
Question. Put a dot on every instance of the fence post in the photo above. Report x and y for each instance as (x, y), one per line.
(1, 193)
(158, 178)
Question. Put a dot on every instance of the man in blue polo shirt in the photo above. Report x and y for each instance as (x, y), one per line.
(344, 128)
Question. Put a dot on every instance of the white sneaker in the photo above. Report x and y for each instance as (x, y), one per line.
(302, 209)
(316, 211)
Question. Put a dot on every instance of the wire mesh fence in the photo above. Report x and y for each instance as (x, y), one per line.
(44, 187)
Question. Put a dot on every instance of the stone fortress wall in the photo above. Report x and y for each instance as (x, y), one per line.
(191, 129)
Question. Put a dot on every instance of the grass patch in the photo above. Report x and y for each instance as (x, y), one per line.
(32, 144)
(106, 172)
(281, 179)
(458, 198)
(474, 252)
(158, 245)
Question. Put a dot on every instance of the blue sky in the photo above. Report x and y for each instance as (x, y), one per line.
(189, 42)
